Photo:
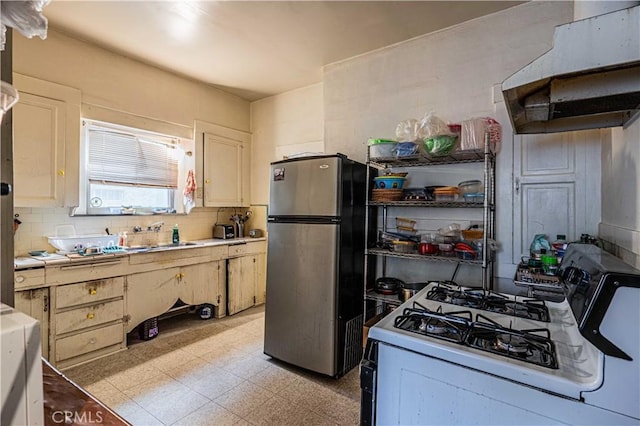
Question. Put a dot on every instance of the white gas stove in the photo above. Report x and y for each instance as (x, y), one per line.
(453, 355)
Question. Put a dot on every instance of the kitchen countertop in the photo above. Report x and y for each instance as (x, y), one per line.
(54, 259)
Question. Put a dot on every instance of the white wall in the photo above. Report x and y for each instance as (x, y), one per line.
(121, 88)
(621, 188)
(283, 125)
(455, 73)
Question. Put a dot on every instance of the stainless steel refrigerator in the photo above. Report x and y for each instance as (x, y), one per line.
(315, 263)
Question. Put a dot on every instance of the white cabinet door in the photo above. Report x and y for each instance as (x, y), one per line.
(556, 187)
(46, 125)
(38, 152)
(224, 172)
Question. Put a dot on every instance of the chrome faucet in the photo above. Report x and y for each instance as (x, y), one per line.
(156, 226)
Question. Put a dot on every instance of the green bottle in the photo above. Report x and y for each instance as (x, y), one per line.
(176, 235)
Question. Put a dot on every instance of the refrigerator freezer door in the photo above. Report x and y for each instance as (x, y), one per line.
(308, 187)
(300, 316)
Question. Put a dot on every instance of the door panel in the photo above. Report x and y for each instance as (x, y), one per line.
(305, 188)
(241, 283)
(300, 317)
(223, 171)
(556, 187)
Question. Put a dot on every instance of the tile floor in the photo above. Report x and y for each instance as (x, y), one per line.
(214, 372)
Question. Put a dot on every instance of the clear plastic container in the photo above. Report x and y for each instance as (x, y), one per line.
(382, 148)
(404, 247)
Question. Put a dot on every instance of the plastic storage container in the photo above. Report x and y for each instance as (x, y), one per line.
(405, 149)
(382, 148)
(470, 187)
(404, 247)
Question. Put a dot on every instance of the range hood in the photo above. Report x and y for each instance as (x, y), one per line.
(589, 79)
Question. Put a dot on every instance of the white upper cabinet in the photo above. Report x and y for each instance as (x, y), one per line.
(226, 161)
(46, 140)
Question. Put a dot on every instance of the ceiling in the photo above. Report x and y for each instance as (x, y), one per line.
(255, 49)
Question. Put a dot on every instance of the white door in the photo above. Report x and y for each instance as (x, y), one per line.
(556, 187)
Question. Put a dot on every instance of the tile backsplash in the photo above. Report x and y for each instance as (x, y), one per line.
(38, 223)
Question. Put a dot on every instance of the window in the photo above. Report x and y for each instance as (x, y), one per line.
(128, 170)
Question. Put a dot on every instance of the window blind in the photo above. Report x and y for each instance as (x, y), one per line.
(130, 159)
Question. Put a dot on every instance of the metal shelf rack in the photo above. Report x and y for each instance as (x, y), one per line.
(484, 156)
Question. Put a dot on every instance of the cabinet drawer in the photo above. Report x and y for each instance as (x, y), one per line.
(91, 291)
(247, 248)
(89, 341)
(28, 278)
(90, 316)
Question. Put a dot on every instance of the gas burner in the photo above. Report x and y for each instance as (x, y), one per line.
(533, 346)
(489, 301)
(451, 326)
(510, 343)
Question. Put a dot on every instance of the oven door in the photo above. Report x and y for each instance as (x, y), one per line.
(368, 377)
(415, 389)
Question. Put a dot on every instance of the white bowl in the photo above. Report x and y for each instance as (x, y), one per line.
(83, 241)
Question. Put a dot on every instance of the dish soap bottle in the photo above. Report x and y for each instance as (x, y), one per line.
(176, 235)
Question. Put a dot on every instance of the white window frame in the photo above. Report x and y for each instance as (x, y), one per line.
(179, 143)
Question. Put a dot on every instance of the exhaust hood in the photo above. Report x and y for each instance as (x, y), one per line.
(589, 79)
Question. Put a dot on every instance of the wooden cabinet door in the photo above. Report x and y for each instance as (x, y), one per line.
(199, 283)
(241, 283)
(223, 172)
(261, 279)
(35, 303)
(46, 126)
(38, 151)
(150, 294)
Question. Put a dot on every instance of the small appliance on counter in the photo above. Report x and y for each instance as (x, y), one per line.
(255, 233)
(224, 232)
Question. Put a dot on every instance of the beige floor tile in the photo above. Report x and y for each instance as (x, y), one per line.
(302, 416)
(106, 393)
(273, 378)
(192, 371)
(339, 408)
(223, 356)
(275, 411)
(136, 415)
(175, 406)
(303, 393)
(215, 384)
(244, 399)
(170, 360)
(133, 376)
(85, 374)
(246, 367)
(211, 414)
(156, 388)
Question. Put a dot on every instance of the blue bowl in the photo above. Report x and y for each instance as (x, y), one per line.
(386, 182)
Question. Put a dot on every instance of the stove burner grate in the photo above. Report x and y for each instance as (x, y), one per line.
(451, 326)
(489, 301)
(533, 346)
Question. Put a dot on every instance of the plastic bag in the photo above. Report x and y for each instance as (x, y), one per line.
(474, 130)
(25, 16)
(539, 242)
(431, 126)
(407, 130)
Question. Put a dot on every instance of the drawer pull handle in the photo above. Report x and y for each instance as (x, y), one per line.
(92, 341)
(90, 315)
(19, 278)
(93, 291)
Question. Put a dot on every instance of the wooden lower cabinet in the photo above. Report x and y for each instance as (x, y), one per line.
(87, 321)
(35, 303)
(150, 294)
(246, 282)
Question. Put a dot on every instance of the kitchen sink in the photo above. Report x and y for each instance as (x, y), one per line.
(160, 247)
